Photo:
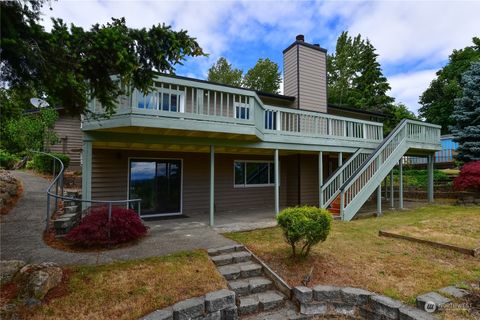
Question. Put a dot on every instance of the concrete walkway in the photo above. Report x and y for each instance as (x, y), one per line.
(21, 233)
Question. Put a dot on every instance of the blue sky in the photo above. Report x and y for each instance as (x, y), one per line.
(413, 38)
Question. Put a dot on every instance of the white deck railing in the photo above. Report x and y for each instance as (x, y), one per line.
(197, 100)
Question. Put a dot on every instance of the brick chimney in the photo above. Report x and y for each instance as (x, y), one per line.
(305, 74)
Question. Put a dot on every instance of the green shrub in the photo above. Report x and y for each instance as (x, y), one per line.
(44, 163)
(304, 227)
(7, 160)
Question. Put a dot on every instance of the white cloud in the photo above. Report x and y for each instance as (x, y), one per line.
(415, 30)
(407, 87)
(412, 37)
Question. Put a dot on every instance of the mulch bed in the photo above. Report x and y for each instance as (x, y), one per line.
(62, 244)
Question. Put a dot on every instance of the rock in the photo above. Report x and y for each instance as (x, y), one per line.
(8, 269)
(431, 297)
(217, 315)
(218, 300)
(327, 293)
(189, 309)
(313, 308)
(41, 278)
(409, 313)
(162, 314)
(454, 292)
(355, 296)
(230, 313)
(385, 306)
(32, 302)
(303, 294)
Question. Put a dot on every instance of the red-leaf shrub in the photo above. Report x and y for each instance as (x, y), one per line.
(469, 178)
(125, 225)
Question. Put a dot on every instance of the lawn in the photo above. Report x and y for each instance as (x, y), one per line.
(354, 254)
(129, 290)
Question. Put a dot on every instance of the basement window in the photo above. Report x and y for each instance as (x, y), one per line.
(254, 173)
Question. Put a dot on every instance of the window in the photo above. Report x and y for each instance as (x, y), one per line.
(270, 120)
(166, 100)
(242, 111)
(254, 173)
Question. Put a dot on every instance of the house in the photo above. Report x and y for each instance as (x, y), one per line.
(444, 158)
(195, 147)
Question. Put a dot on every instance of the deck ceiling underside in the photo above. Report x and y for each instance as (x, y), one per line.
(195, 148)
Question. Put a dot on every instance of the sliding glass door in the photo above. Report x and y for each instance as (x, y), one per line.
(158, 183)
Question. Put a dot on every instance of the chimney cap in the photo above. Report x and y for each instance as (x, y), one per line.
(300, 37)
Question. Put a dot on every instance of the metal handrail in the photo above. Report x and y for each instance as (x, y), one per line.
(58, 183)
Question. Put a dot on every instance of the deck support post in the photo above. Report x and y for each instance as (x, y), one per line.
(86, 173)
(212, 185)
(379, 200)
(392, 200)
(277, 182)
(320, 179)
(400, 183)
(430, 178)
(340, 162)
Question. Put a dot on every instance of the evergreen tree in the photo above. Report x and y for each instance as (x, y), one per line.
(264, 76)
(223, 72)
(355, 77)
(466, 114)
(439, 98)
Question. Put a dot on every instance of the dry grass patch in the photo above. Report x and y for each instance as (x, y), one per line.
(129, 290)
(355, 255)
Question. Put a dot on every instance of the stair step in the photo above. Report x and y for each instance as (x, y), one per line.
(264, 301)
(270, 300)
(259, 284)
(280, 314)
(248, 304)
(229, 258)
(240, 270)
(71, 209)
(248, 286)
(225, 249)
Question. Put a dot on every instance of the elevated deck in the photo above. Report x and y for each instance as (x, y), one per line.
(197, 110)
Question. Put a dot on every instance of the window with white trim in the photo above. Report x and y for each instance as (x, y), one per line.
(254, 173)
(242, 111)
(164, 100)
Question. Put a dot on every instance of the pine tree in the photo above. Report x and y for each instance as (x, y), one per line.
(355, 77)
(466, 114)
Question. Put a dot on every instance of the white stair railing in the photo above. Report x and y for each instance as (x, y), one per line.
(331, 188)
(356, 190)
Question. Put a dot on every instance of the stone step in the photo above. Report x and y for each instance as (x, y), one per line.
(229, 258)
(248, 286)
(226, 249)
(265, 301)
(280, 314)
(71, 209)
(240, 270)
(69, 203)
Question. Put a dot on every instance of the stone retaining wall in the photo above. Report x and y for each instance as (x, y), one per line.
(217, 305)
(353, 303)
